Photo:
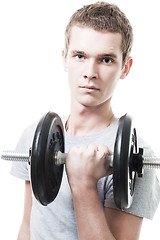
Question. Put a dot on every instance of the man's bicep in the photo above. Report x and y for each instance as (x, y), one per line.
(27, 205)
(123, 225)
(24, 231)
(27, 201)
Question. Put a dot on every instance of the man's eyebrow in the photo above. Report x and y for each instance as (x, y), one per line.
(74, 52)
(104, 55)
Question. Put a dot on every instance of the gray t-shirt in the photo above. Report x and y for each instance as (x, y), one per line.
(57, 220)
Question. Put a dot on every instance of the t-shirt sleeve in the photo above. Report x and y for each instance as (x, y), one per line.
(21, 169)
(146, 195)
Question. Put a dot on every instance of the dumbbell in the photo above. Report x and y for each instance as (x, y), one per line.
(47, 158)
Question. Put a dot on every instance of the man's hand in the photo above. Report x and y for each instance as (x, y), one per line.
(87, 164)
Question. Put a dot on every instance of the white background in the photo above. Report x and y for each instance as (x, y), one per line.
(33, 82)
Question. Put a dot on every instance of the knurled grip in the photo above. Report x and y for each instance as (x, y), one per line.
(60, 158)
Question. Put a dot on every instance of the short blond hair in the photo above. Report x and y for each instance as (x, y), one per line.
(103, 17)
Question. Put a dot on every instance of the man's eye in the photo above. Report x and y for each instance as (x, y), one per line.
(107, 60)
(79, 57)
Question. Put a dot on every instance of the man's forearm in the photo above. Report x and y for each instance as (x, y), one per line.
(90, 217)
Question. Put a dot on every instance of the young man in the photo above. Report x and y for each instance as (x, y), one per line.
(96, 55)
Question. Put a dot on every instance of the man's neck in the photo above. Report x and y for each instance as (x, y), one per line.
(85, 121)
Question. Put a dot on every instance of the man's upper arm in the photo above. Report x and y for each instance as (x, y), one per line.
(123, 226)
(24, 232)
(27, 201)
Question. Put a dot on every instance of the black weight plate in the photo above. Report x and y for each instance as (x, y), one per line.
(45, 175)
(123, 176)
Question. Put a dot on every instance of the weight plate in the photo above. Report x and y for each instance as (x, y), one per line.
(123, 175)
(45, 175)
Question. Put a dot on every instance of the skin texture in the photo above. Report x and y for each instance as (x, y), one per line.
(94, 67)
(24, 232)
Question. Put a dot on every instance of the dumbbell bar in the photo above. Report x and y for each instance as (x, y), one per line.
(47, 158)
(60, 158)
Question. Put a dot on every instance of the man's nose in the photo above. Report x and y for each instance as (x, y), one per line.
(91, 70)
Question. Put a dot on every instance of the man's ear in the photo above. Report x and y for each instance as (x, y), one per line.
(126, 68)
(64, 60)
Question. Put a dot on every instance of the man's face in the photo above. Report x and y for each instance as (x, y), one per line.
(94, 65)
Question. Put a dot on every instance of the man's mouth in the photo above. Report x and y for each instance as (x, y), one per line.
(90, 87)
